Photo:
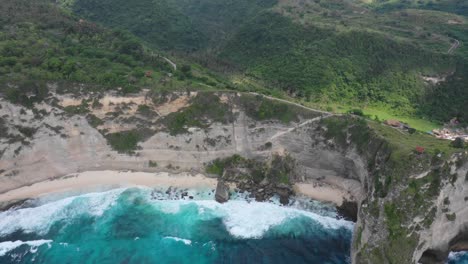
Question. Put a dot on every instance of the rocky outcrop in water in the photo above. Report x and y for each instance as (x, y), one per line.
(222, 192)
(410, 208)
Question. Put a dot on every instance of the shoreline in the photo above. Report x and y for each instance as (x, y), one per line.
(107, 179)
(89, 180)
(323, 192)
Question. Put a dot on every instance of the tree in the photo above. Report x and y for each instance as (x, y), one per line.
(458, 143)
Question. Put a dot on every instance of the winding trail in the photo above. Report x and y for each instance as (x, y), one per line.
(292, 103)
(454, 46)
(282, 133)
(325, 114)
(171, 63)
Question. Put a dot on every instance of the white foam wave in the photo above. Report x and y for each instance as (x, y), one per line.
(178, 239)
(454, 256)
(254, 219)
(251, 219)
(8, 246)
(40, 219)
(243, 219)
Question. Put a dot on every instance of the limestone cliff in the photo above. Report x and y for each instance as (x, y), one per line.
(411, 206)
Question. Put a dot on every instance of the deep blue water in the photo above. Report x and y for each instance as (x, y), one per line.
(139, 226)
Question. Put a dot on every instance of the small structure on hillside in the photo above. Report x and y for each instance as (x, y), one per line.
(393, 123)
(452, 130)
(420, 150)
(400, 125)
(149, 74)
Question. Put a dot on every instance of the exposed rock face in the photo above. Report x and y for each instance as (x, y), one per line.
(46, 143)
(222, 192)
(449, 230)
(348, 210)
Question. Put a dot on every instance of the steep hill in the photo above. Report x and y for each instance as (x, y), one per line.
(39, 42)
(346, 53)
(411, 205)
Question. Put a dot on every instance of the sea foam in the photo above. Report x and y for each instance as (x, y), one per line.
(242, 219)
(254, 219)
(39, 219)
(178, 239)
(249, 219)
(8, 246)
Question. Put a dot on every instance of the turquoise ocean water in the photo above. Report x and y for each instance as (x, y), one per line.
(141, 225)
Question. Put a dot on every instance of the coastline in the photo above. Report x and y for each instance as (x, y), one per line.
(89, 180)
(323, 192)
(97, 180)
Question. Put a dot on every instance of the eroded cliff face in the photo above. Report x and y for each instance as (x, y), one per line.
(49, 141)
(449, 230)
(414, 204)
(404, 215)
(415, 222)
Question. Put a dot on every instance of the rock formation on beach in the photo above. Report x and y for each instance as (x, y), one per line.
(405, 202)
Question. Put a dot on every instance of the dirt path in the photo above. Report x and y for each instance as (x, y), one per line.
(454, 46)
(282, 133)
(171, 63)
(292, 103)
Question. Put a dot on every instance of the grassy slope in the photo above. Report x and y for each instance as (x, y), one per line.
(334, 52)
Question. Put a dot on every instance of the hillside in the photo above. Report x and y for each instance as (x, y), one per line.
(328, 54)
(41, 43)
(407, 204)
(274, 99)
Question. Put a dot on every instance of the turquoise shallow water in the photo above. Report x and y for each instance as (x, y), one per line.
(143, 226)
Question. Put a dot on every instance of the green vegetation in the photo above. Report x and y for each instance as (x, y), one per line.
(81, 109)
(458, 143)
(218, 166)
(204, 109)
(260, 108)
(124, 142)
(394, 220)
(94, 121)
(171, 25)
(276, 171)
(452, 6)
(401, 187)
(366, 55)
(355, 67)
(41, 44)
(451, 217)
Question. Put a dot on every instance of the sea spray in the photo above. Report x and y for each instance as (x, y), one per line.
(458, 258)
(142, 225)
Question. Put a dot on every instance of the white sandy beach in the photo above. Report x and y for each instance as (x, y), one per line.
(91, 180)
(324, 193)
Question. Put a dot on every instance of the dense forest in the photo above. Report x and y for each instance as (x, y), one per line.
(325, 52)
(451, 6)
(39, 43)
(319, 52)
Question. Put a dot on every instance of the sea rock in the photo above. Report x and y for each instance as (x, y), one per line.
(348, 210)
(222, 192)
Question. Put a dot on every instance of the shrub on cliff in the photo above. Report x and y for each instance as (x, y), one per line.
(458, 143)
